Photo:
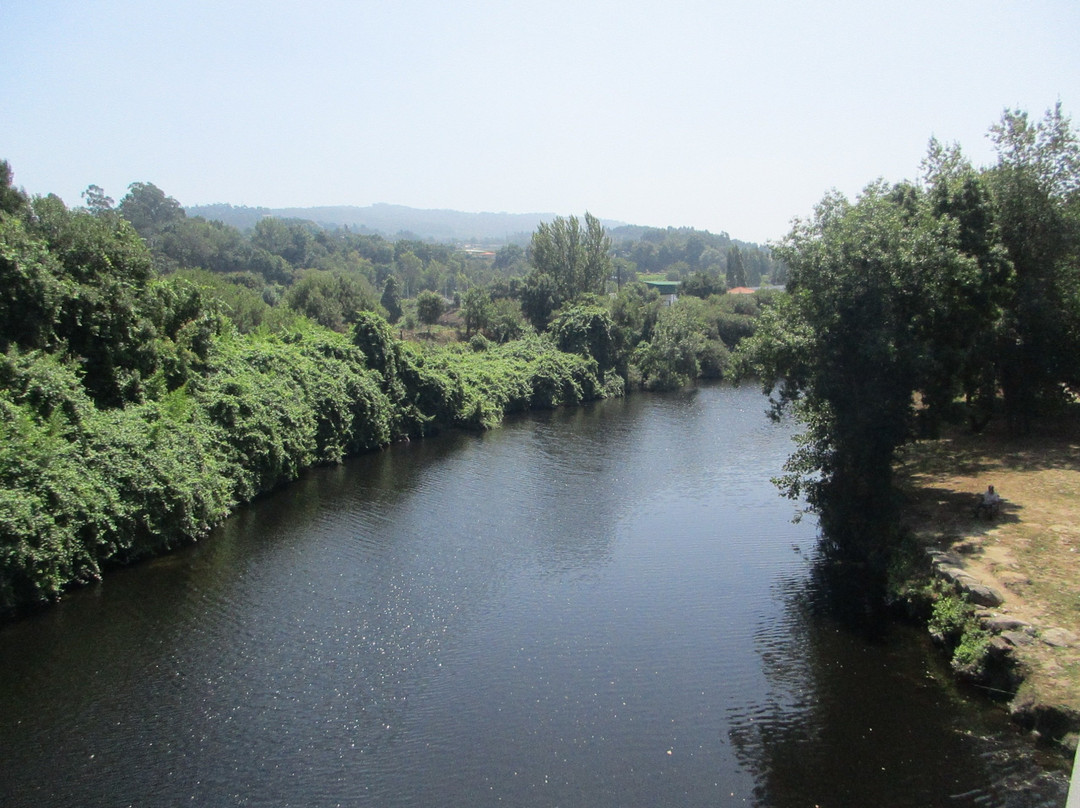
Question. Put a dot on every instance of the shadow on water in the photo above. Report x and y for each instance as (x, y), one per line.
(845, 675)
(596, 606)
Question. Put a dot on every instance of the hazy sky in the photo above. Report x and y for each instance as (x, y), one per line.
(727, 116)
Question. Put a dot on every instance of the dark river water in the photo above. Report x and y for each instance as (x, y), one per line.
(606, 606)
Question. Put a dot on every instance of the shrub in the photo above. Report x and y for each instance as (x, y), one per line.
(953, 623)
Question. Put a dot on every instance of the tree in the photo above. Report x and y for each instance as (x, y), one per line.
(477, 310)
(293, 240)
(97, 201)
(965, 348)
(429, 308)
(12, 199)
(1036, 190)
(507, 322)
(83, 285)
(736, 270)
(635, 311)
(539, 298)
(670, 359)
(391, 299)
(332, 299)
(872, 285)
(586, 328)
(578, 261)
(509, 259)
(693, 250)
(701, 285)
(149, 210)
(409, 269)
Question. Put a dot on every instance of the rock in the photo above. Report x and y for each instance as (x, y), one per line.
(1059, 638)
(956, 575)
(949, 566)
(998, 624)
(981, 594)
(1000, 646)
(1017, 638)
(945, 558)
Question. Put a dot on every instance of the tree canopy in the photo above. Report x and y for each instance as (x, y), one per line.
(577, 260)
(916, 303)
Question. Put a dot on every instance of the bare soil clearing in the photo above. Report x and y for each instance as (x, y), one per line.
(1030, 553)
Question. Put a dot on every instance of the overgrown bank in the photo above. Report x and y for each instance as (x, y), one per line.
(83, 487)
(139, 405)
(136, 413)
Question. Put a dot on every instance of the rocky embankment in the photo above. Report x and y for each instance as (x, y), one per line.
(1027, 655)
(1020, 570)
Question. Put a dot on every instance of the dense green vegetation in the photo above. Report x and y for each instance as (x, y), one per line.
(158, 370)
(337, 266)
(956, 298)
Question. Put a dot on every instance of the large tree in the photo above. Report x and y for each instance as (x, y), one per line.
(477, 310)
(1036, 189)
(736, 270)
(11, 198)
(149, 210)
(391, 300)
(873, 285)
(964, 349)
(577, 260)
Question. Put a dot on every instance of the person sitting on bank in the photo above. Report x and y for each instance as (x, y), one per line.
(989, 503)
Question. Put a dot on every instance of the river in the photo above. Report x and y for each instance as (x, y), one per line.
(602, 606)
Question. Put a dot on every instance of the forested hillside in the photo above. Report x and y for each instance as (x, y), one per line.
(390, 221)
(672, 253)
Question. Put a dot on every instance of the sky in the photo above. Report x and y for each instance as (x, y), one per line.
(731, 117)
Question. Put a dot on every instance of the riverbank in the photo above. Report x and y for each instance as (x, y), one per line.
(1028, 557)
(85, 488)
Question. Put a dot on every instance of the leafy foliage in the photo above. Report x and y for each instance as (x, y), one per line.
(954, 623)
(871, 284)
(586, 328)
(331, 299)
(136, 411)
(1036, 191)
(913, 296)
(391, 299)
(429, 307)
(577, 261)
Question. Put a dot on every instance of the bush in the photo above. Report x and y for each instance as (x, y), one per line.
(585, 329)
(713, 359)
(479, 343)
(954, 624)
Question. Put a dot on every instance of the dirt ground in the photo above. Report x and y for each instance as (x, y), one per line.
(1030, 553)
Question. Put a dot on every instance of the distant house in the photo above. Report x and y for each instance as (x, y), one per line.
(669, 290)
(741, 290)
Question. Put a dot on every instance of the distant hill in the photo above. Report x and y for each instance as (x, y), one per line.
(394, 220)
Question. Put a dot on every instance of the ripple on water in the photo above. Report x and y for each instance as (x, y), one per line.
(606, 606)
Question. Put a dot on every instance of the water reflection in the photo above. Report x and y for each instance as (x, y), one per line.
(856, 716)
(605, 606)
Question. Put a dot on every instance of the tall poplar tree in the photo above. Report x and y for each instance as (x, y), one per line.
(577, 260)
